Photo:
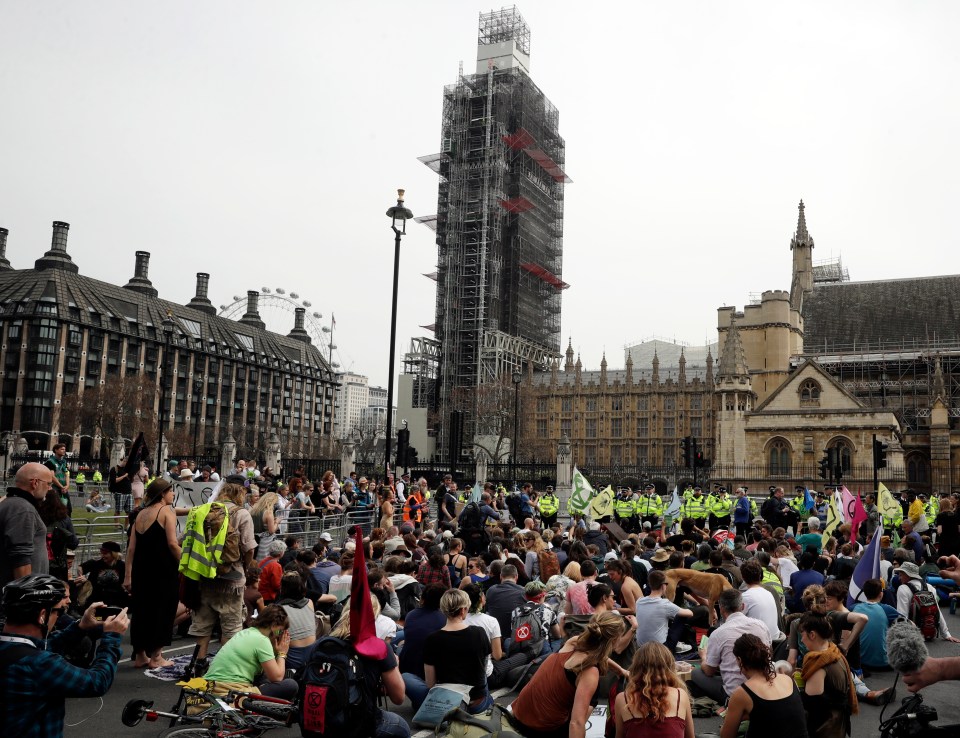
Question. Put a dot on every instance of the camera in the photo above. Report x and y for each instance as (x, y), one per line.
(102, 613)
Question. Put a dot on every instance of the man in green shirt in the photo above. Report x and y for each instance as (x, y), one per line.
(61, 475)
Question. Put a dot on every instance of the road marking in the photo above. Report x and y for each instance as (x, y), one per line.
(169, 650)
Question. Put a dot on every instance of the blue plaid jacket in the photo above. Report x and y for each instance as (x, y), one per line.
(34, 686)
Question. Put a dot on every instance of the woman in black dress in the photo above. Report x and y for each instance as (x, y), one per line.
(151, 576)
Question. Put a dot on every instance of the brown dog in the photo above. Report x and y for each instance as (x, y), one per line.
(700, 583)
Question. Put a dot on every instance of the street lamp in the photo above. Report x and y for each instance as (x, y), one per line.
(516, 425)
(167, 335)
(399, 215)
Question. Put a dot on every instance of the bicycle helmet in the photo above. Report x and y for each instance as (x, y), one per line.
(25, 597)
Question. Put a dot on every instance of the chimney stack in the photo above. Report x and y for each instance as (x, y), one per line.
(141, 281)
(299, 332)
(57, 257)
(252, 316)
(200, 301)
(4, 264)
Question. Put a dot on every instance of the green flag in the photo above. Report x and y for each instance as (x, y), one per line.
(582, 492)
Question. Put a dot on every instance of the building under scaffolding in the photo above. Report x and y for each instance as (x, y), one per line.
(499, 223)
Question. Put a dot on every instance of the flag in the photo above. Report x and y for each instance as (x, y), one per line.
(808, 502)
(476, 492)
(582, 492)
(363, 629)
(889, 507)
(867, 568)
(853, 512)
(833, 520)
(601, 505)
(138, 453)
(333, 322)
(675, 506)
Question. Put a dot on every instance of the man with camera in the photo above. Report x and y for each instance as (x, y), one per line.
(34, 678)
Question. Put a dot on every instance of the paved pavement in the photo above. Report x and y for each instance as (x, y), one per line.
(88, 718)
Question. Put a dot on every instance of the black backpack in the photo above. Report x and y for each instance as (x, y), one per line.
(515, 506)
(337, 694)
(470, 518)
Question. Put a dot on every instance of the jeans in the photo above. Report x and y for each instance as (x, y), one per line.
(702, 685)
(391, 725)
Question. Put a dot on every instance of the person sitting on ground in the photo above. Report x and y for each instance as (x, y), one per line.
(36, 679)
(303, 620)
(829, 698)
(535, 593)
(758, 602)
(252, 599)
(505, 597)
(805, 576)
(417, 626)
(455, 654)
(255, 660)
(498, 663)
(96, 504)
(655, 701)
(619, 572)
(654, 614)
(271, 571)
(576, 601)
(770, 701)
(556, 703)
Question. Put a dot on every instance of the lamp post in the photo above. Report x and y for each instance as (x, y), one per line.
(515, 447)
(167, 334)
(399, 215)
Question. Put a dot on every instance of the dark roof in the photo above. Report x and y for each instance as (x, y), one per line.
(888, 314)
(58, 293)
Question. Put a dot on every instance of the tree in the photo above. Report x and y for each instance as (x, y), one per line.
(492, 407)
(121, 406)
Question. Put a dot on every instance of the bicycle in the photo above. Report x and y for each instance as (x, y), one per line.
(231, 715)
(913, 720)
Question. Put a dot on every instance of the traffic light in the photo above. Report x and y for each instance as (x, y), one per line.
(403, 445)
(411, 457)
(879, 454)
(825, 467)
(698, 459)
(686, 444)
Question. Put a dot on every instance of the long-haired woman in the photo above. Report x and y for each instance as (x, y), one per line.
(264, 523)
(556, 702)
(770, 701)
(655, 702)
(153, 557)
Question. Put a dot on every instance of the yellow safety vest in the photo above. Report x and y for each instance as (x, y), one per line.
(549, 505)
(931, 510)
(97, 477)
(80, 479)
(721, 506)
(198, 561)
(624, 508)
(650, 505)
(696, 508)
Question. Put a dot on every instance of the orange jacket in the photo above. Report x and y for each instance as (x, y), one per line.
(412, 508)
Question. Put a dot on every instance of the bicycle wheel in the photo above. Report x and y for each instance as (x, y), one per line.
(189, 732)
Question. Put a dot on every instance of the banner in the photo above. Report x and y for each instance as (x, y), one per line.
(601, 506)
(581, 495)
(867, 568)
(833, 520)
(853, 512)
(191, 494)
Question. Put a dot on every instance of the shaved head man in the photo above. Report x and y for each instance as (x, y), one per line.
(23, 536)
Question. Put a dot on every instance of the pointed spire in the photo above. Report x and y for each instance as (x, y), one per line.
(709, 366)
(656, 367)
(801, 236)
(629, 368)
(682, 375)
(579, 365)
(733, 361)
(568, 365)
(939, 385)
(603, 361)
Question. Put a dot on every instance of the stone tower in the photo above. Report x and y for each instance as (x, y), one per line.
(735, 398)
(801, 245)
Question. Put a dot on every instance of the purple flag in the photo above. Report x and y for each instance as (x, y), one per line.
(867, 568)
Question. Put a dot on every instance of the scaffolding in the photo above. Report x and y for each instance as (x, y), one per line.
(830, 271)
(422, 361)
(499, 226)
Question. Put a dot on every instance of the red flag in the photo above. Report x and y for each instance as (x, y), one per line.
(363, 629)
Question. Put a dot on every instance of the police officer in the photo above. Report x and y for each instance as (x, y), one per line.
(720, 509)
(798, 506)
(687, 492)
(549, 507)
(696, 507)
(650, 506)
(624, 509)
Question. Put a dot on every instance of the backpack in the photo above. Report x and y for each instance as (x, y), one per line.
(526, 630)
(924, 612)
(515, 506)
(218, 514)
(337, 693)
(549, 565)
(470, 518)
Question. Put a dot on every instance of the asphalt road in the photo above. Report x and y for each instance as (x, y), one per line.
(87, 718)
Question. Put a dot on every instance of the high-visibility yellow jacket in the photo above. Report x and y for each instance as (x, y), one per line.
(695, 507)
(97, 476)
(199, 561)
(549, 505)
(624, 508)
(722, 505)
(931, 510)
(650, 505)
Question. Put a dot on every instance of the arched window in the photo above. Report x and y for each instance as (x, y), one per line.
(809, 394)
(846, 454)
(779, 458)
(918, 470)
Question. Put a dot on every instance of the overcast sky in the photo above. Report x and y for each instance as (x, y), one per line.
(263, 141)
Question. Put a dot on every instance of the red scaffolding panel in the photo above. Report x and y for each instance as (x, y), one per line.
(548, 164)
(549, 277)
(519, 140)
(517, 205)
